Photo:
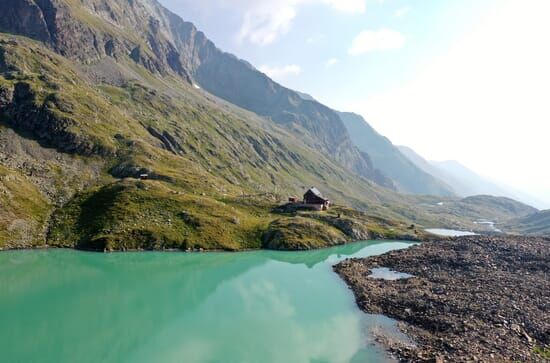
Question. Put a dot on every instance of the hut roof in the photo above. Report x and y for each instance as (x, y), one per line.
(315, 191)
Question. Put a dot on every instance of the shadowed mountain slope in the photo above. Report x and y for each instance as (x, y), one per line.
(390, 161)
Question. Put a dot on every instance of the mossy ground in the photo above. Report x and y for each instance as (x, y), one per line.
(133, 214)
(153, 215)
(299, 233)
(23, 212)
(542, 352)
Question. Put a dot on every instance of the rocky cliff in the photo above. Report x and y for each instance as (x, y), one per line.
(101, 34)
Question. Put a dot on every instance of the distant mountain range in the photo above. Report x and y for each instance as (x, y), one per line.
(407, 176)
(463, 181)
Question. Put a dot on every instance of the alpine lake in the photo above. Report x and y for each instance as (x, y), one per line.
(261, 306)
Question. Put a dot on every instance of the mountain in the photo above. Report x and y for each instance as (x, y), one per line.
(533, 224)
(466, 181)
(106, 91)
(475, 209)
(390, 161)
(169, 44)
(122, 127)
(73, 152)
(463, 181)
(161, 41)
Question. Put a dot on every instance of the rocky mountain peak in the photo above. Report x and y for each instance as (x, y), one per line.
(102, 34)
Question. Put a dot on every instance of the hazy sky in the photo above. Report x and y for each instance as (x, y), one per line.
(453, 79)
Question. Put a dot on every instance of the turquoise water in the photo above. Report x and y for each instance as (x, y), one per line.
(68, 306)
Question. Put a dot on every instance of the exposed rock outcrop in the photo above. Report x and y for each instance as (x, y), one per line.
(150, 35)
(27, 114)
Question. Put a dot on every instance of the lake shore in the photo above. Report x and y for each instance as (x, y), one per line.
(405, 238)
(471, 298)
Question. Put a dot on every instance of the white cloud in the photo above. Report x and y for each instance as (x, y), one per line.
(266, 20)
(376, 40)
(315, 39)
(331, 62)
(401, 12)
(281, 73)
(264, 23)
(348, 6)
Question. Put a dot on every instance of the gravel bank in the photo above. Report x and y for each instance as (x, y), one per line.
(472, 298)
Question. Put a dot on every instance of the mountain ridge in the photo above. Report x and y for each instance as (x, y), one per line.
(389, 160)
(175, 45)
(464, 181)
(537, 224)
(105, 124)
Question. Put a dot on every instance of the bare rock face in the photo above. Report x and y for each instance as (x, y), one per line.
(150, 35)
(23, 113)
(24, 17)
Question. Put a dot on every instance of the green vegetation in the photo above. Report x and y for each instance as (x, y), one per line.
(532, 224)
(543, 352)
(299, 233)
(23, 211)
(215, 172)
(132, 214)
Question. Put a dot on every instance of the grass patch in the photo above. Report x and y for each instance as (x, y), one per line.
(543, 352)
(133, 214)
(23, 211)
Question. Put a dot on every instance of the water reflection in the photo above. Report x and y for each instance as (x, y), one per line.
(67, 306)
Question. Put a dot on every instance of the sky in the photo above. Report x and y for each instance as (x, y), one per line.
(467, 80)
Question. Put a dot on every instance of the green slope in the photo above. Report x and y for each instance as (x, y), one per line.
(533, 224)
(224, 168)
(24, 210)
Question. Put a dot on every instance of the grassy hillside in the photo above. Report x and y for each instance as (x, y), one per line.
(154, 215)
(534, 224)
(199, 153)
(24, 211)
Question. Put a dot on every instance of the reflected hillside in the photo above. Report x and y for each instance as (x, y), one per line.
(314, 257)
(120, 295)
(174, 307)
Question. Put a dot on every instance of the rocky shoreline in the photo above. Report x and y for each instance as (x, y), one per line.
(484, 299)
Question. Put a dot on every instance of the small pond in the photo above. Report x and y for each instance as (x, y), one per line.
(449, 232)
(384, 273)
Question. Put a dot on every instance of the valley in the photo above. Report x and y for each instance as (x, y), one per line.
(81, 124)
(124, 128)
